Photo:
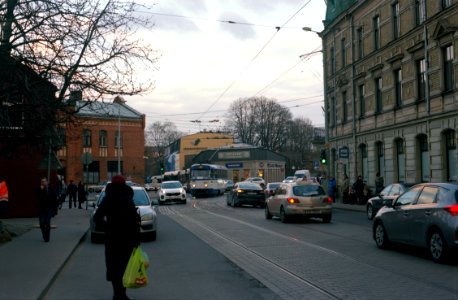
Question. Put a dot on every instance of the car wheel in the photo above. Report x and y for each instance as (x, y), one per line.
(267, 213)
(380, 236)
(283, 216)
(437, 246)
(327, 218)
(233, 202)
(370, 212)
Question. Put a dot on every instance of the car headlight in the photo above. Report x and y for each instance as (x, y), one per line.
(147, 217)
(193, 185)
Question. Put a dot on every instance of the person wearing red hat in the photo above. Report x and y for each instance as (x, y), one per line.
(118, 216)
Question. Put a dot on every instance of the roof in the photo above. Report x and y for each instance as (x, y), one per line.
(106, 110)
(336, 7)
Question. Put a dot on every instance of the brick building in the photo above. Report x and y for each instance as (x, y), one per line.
(95, 131)
(390, 84)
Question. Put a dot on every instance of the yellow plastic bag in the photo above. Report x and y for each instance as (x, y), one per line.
(135, 275)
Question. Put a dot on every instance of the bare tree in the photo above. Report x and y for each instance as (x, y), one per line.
(259, 121)
(84, 45)
(158, 136)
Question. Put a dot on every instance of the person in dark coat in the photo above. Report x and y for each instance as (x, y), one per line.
(81, 194)
(72, 190)
(47, 207)
(118, 216)
(358, 187)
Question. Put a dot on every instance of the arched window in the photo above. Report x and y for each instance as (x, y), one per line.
(450, 155)
(364, 161)
(103, 138)
(423, 158)
(400, 159)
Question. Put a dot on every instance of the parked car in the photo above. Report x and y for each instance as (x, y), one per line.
(271, 187)
(297, 199)
(146, 209)
(258, 180)
(171, 191)
(246, 193)
(426, 216)
(290, 179)
(229, 185)
(386, 197)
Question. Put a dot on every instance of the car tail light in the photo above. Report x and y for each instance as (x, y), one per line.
(240, 191)
(292, 200)
(327, 200)
(452, 209)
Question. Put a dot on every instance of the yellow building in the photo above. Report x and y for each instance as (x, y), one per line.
(180, 153)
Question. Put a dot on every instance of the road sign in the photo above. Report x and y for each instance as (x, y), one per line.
(86, 158)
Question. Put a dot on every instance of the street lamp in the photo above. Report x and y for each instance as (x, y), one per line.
(119, 101)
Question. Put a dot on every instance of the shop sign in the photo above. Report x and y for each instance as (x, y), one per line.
(234, 165)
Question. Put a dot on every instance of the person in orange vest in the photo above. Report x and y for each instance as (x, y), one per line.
(3, 196)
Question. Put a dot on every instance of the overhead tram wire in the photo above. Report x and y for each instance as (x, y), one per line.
(253, 59)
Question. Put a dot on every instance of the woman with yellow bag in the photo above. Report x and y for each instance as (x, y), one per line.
(118, 216)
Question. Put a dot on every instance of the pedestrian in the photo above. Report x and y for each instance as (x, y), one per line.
(345, 189)
(332, 187)
(358, 187)
(303, 181)
(81, 194)
(379, 183)
(47, 207)
(118, 216)
(63, 193)
(3, 196)
(72, 190)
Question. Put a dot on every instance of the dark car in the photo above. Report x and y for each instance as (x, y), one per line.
(271, 187)
(246, 193)
(386, 197)
(424, 216)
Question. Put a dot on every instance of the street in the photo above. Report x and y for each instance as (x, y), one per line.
(263, 259)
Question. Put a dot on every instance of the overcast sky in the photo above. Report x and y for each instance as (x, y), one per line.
(213, 52)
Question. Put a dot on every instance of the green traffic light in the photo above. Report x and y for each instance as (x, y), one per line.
(323, 161)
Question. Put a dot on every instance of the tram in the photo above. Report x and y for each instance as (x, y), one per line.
(208, 180)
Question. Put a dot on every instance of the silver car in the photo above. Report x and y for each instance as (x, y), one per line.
(146, 209)
(426, 216)
(299, 199)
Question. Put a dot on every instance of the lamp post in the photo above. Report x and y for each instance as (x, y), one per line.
(119, 101)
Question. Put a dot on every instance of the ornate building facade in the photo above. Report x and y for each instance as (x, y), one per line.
(390, 84)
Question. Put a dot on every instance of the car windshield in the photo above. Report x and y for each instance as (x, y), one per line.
(308, 190)
(171, 185)
(273, 186)
(140, 198)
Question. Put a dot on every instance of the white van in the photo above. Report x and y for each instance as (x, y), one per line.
(301, 173)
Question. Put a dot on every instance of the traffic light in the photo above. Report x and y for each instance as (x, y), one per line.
(323, 158)
(162, 168)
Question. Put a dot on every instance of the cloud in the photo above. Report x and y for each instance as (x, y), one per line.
(178, 15)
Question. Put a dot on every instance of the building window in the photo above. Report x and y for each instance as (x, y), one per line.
(333, 112)
(344, 53)
(380, 167)
(344, 108)
(396, 20)
(400, 160)
(423, 158)
(450, 153)
(102, 138)
(448, 68)
(376, 26)
(446, 3)
(421, 79)
(118, 139)
(362, 101)
(93, 173)
(398, 87)
(378, 96)
(112, 168)
(87, 138)
(360, 43)
(364, 162)
(333, 61)
(420, 11)
(61, 134)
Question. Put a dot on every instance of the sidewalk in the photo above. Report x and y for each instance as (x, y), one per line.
(28, 264)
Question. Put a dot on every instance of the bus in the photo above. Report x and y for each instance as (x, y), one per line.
(208, 180)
